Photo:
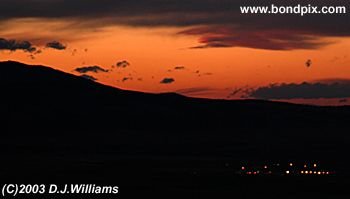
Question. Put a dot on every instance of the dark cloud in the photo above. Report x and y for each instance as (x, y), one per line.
(242, 92)
(94, 69)
(127, 79)
(122, 64)
(179, 68)
(167, 81)
(13, 45)
(308, 63)
(56, 45)
(205, 74)
(317, 90)
(88, 77)
(224, 37)
(235, 92)
(217, 23)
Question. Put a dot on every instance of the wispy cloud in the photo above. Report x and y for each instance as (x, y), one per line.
(216, 23)
(13, 45)
(167, 81)
(56, 45)
(305, 90)
(94, 69)
(122, 64)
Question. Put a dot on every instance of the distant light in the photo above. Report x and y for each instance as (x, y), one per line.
(327, 172)
(315, 172)
(265, 167)
(301, 171)
(287, 172)
(306, 172)
(243, 168)
(254, 173)
(319, 173)
(291, 164)
(305, 165)
(315, 165)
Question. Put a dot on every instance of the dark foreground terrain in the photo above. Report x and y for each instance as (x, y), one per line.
(59, 128)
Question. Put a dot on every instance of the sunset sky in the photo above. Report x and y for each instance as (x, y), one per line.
(198, 48)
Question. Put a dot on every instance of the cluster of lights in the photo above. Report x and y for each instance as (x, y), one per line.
(315, 172)
(292, 171)
(314, 165)
(253, 172)
(250, 172)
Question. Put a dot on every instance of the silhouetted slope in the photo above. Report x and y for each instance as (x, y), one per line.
(61, 126)
(48, 100)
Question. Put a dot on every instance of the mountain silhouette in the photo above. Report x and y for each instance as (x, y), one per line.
(61, 127)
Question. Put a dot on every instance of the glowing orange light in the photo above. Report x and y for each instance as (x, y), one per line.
(315, 172)
(291, 164)
(319, 173)
(305, 165)
(315, 165)
(287, 172)
(306, 172)
(302, 172)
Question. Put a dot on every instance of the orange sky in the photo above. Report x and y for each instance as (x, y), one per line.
(152, 52)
